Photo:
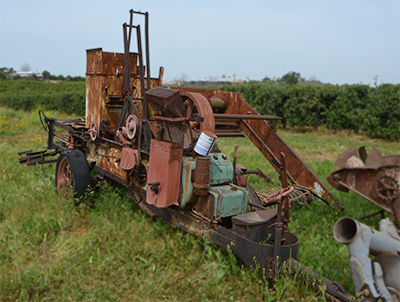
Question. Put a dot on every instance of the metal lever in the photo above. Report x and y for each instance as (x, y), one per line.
(154, 186)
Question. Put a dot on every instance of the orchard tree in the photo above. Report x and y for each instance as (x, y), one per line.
(46, 74)
(291, 77)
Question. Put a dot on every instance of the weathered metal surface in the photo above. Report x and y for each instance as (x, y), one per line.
(165, 166)
(32, 158)
(390, 265)
(199, 102)
(261, 254)
(105, 158)
(264, 136)
(221, 171)
(167, 101)
(201, 181)
(299, 194)
(229, 200)
(363, 241)
(376, 178)
(129, 158)
(252, 225)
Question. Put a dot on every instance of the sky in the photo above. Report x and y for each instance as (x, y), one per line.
(334, 41)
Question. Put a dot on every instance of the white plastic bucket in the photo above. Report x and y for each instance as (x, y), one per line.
(205, 143)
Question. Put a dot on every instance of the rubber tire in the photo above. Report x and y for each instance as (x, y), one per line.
(80, 170)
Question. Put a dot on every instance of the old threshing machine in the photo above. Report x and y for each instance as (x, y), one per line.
(160, 143)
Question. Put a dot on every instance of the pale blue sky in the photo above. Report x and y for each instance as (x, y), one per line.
(337, 41)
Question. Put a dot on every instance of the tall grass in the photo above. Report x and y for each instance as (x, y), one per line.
(107, 249)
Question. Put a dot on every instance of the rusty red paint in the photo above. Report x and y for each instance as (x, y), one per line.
(374, 177)
(165, 165)
(129, 158)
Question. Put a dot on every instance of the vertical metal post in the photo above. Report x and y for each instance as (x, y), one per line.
(286, 205)
(50, 144)
(127, 86)
(147, 49)
(142, 88)
(130, 26)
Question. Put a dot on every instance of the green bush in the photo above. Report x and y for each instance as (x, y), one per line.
(68, 97)
(375, 111)
(382, 113)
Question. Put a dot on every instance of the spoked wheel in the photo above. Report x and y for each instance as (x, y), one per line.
(44, 120)
(72, 173)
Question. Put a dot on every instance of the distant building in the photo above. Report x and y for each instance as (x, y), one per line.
(28, 75)
(203, 82)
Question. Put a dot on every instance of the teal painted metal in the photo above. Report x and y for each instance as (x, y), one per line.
(229, 200)
(221, 171)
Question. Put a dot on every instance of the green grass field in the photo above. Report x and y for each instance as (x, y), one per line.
(109, 250)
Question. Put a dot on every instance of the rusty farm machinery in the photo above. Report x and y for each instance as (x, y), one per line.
(161, 144)
(376, 178)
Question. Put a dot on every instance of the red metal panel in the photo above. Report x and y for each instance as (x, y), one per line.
(165, 165)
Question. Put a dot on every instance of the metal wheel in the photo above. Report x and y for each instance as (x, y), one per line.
(44, 120)
(94, 131)
(200, 103)
(72, 173)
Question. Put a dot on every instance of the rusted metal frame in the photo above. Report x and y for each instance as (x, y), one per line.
(365, 196)
(127, 87)
(229, 134)
(169, 119)
(127, 76)
(62, 137)
(253, 254)
(297, 165)
(62, 125)
(133, 106)
(230, 117)
(299, 196)
(250, 133)
(257, 172)
(121, 119)
(285, 198)
(315, 194)
(112, 176)
(141, 71)
(146, 30)
(278, 235)
(297, 168)
(68, 120)
(36, 157)
(111, 142)
(50, 144)
(130, 28)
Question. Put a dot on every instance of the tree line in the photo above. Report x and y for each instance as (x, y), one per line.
(373, 111)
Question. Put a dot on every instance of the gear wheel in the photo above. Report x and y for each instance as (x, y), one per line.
(386, 188)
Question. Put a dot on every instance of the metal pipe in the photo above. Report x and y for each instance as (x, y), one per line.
(361, 241)
(223, 116)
